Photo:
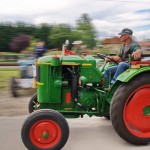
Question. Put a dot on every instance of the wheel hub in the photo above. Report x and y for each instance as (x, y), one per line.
(45, 133)
(146, 110)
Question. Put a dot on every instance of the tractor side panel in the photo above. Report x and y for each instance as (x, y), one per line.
(49, 89)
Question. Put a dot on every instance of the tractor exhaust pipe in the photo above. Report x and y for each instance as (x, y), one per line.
(74, 88)
(74, 84)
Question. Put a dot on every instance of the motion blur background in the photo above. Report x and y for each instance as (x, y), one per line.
(96, 23)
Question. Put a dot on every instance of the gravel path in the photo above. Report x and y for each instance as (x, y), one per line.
(14, 106)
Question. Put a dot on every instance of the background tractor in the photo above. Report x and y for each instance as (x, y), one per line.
(72, 86)
(25, 80)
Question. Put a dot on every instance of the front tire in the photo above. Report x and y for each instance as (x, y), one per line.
(130, 110)
(45, 130)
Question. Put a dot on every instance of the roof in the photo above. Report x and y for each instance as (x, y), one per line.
(114, 40)
(144, 43)
(77, 42)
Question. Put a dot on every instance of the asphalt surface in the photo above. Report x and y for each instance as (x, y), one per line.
(85, 134)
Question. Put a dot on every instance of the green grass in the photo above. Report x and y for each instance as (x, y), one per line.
(9, 63)
(5, 77)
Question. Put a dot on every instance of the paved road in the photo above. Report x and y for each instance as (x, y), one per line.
(85, 134)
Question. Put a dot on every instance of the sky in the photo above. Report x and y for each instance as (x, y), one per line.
(108, 17)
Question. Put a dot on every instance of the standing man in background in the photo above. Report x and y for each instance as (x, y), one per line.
(39, 49)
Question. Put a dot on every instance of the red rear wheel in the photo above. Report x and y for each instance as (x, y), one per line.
(137, 112)
(130, 110)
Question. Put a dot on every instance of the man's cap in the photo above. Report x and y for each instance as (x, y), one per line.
(126, 31)
(77, 42)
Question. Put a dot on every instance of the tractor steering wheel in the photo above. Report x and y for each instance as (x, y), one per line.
(104, 56)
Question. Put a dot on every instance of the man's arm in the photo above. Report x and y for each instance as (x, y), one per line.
(115, 58)
(137, 54)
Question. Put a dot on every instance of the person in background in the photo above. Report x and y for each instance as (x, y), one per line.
(39, 49)
(77, 47)
(129, 47)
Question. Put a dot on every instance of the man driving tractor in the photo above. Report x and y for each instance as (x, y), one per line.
(129, 47)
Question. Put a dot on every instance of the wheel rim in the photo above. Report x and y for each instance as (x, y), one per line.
(137, 112)
(45, 134)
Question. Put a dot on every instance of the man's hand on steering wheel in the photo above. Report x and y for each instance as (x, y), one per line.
(108, 58)
(114, 59)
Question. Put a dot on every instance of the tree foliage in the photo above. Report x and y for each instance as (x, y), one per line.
(7, 32)
(59, 34)
(42, 33)
(53, 35)
(20, 42)
(86, 30)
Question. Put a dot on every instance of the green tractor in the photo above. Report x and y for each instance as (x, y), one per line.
(72, 86)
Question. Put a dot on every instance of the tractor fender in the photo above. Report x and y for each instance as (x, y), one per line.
(124, 78)
(130, 73)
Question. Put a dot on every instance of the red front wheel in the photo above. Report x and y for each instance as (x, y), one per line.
(45, 130)
(130, 110)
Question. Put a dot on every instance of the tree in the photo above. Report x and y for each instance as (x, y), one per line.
(8, 31)
(6, 34)
(86, 31)
(20, 42)
(59, 34)
(42, 33)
